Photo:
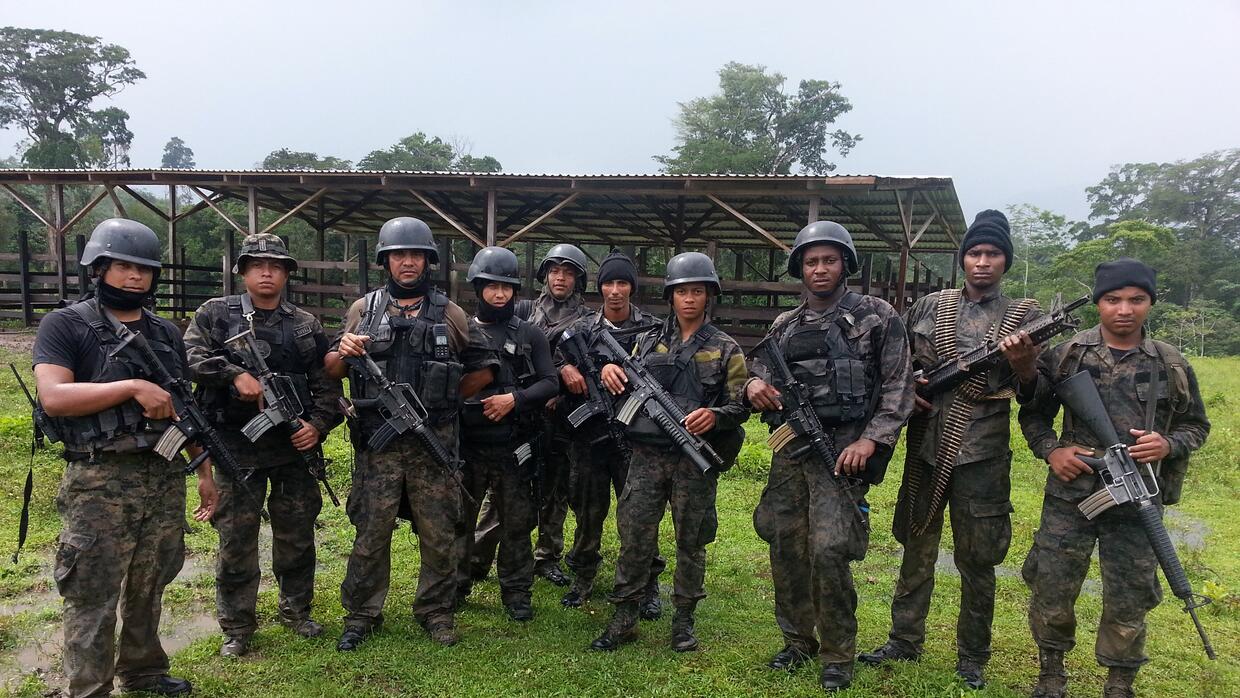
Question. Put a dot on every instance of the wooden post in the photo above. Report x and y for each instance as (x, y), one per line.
(174, 275)
(490, 223)
(955, 267)
(867, 268)
(916, 280)
(739, 275)
(445, 263)
(79, 243)
(230, 240)
(771, 299)
(813, 209)
(363, 268)
(59, 213)
(23, 252)
(321, 229)
(899, 304)
(529, 267)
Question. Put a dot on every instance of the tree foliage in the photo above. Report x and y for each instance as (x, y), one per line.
(285, 159)
(752, 126)
(422, 152)
(177, 155)
(49, 84)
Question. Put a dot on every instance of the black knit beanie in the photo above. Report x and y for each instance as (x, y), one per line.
(989, 227)
(616, 265)
(1124, 272)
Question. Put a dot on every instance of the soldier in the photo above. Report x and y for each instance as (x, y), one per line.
(600, 462)
(703, 369)
(122, 506)
(851, 353)
(416, 336)
(230, 394)
(1152, 396)
(973, 479)
(563, 275)
(503, 408)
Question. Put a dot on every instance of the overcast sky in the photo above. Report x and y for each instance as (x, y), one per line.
(1028, 102)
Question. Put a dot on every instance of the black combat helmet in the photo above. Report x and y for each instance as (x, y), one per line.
(406, 233)
(564, 253)
(817, 233)
(264, 246)
(123, 239)
(494, 264)
(690, 267)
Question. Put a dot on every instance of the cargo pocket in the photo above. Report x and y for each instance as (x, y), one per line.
(73, 546)
(172, 559)
(987, 540)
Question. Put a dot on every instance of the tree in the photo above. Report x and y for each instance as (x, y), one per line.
(49, 82)
(177, 155)
(1038, 237)
(285, 159)
(751, 126)
(421, 152)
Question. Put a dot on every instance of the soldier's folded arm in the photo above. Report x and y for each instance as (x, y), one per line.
(1190, 428)
(895, 387)
(547, 386)
(333, 363)
(732, 412)
(207, 363)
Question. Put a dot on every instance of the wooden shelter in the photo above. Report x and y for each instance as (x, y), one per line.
(753, 218)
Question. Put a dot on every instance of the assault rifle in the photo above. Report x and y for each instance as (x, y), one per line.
(282, 406)
(1124, 483)
(534, 454)
(949, 373)
(402, 411)
(649, 395)
(598, 403)
(800, 419)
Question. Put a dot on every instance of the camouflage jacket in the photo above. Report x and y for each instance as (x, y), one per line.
(879, 338)
(213, 367)
(988, 433)
(721, 369)
(1124, 384)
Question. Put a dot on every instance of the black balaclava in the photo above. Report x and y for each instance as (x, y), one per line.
(118, 298)
(489, 313)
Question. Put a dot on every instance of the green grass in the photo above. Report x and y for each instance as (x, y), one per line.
(736, 625)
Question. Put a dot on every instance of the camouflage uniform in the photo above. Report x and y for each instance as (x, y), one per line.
(600, 465)
(1059, 560)
(552, 317)
(122, 512)
(404, 472)
(659, 474)
(979, 495)
(814, 527)
(521, 361)
(297, 345)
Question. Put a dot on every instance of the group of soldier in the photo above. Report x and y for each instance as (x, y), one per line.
(516, 394)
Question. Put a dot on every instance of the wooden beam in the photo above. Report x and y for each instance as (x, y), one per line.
(103, 194)
(922, 229)
(294, 211)
(195, 208)
(58, 197)
(217, 209)
(140, 199)
(352, 208)
(813, 210)
(746, 221)
(34, 212)
(448, 219)
(534, 223)
(116, 202)
(251, 208)
(490, 217)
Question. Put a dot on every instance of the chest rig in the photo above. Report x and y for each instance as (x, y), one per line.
(413, 350)
(678, 373)
(515, 371)
(122, 428)
(829, 364)
(288, 347)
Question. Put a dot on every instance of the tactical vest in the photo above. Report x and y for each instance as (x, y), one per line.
(515, 371)
(678, 373)
(288, 348)
(1170, 382)
(822, 359)
(122, 428)
(413, 350)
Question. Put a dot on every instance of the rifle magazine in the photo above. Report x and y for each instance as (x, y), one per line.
(781, 437)
(255, 428)
(1096, 503)
(170, 443)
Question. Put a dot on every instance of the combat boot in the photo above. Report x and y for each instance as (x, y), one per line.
(235, 646)
(892, 651)
(551, 572)
(836, 677)
(683, 639)
(1052, 679)
(578, 593)
(304, 626)
(1119, 683)
(651, 606)
(972, 673)
(789, 659)
(520, 610)
(621, 630)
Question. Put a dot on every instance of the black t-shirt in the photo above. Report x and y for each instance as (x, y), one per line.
(64, 339)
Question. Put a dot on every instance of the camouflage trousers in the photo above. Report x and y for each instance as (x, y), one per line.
(552, 512)
(659, 476)
(1056, 567)
(293, 502)
(122, 541)
(981, 508)
(403, 470)
(815, 531)
(598, 469)
(493, 467)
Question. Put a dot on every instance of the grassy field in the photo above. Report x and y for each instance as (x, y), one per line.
(736, 626)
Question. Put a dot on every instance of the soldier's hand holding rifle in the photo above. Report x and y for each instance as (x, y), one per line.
(1022, 354)
(352, 344)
